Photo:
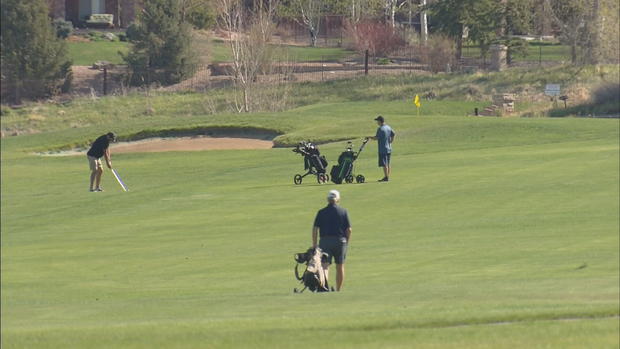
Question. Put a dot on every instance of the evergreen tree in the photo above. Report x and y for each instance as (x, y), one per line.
(33, 59)
(161, 47)
(478, 18)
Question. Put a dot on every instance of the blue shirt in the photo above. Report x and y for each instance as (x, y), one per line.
(384, 134)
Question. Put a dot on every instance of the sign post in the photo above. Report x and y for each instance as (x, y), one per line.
(553, 91)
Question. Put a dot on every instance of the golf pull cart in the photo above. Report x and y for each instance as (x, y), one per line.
(314, 163)
(344, 170)
(314, 277)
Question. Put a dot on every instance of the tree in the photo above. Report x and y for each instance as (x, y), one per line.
(478, 18)
(34, 60)
(590, 27)
(311, 12)
(161, 45)
(199, 13)
(570, 16)
(308, 13)
(249, 34)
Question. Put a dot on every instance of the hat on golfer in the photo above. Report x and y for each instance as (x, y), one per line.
(333, 195)
(111, 136)
(379, 118)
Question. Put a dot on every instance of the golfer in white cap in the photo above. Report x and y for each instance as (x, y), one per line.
(332, 225)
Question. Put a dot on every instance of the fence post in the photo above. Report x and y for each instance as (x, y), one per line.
(105, 81)
(322, 67)
(540, 55)
(366, 63)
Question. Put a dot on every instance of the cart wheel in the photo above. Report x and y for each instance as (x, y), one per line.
(326, 178)
(297, 179)
(321, 178)
(349, 179)
(360, 179)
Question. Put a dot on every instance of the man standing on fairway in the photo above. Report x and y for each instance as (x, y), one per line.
(332, 223)
(385, 136)
(99, 148)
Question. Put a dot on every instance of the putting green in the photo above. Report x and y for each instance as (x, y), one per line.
(492, 233)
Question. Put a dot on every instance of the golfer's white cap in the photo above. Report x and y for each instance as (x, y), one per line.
(333, 195)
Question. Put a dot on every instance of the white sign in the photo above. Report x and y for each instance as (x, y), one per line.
(552, 89)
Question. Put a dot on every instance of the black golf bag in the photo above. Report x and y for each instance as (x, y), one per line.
(314, 277)
(314, 162)
(344, 170)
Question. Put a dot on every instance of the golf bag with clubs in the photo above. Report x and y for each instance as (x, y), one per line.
(343, 171)
(314, 163)
(314, 277)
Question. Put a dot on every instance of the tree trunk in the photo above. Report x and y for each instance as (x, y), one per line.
(423, 24)
(593, 33)
(313, 36)
(459, 45)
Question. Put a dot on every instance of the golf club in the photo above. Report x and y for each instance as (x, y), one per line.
(119, 180)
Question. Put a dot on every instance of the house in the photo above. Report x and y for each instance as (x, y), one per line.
(78, 11)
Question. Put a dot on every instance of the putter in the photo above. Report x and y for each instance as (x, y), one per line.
(119, 180)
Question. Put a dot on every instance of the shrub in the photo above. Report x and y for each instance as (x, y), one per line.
(132, 32)
(161, 50)
(438, 53)
(379, 39)
(63, 28)
(34, 60)
(202, 17)
(608, 93)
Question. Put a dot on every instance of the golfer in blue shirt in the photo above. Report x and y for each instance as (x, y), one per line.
(384, 137)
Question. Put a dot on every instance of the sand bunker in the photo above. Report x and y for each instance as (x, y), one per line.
(197, 143)
(152, 145)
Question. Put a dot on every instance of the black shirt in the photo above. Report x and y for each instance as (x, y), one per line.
(332, 220)
(99, 147)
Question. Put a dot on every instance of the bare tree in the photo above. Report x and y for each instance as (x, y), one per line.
(570, 16)
(249, 33)
(311, 12)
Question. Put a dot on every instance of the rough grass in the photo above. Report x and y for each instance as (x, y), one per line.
(457, 94)
(536, 51)
(492, 233)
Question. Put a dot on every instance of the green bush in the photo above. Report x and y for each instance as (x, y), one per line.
(607, 93)
(34, 60)
(63, 28)
(202, 17)
(161, 50)
(132, 32)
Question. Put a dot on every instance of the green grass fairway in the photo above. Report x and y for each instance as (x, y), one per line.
(492, 233)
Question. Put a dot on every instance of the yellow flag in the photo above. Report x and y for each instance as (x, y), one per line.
(416, 101)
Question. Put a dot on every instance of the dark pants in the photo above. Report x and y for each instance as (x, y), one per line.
(384, 159)
(335, 247)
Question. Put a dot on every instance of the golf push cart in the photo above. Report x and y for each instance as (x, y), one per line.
(344, 170)
(314, 163)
